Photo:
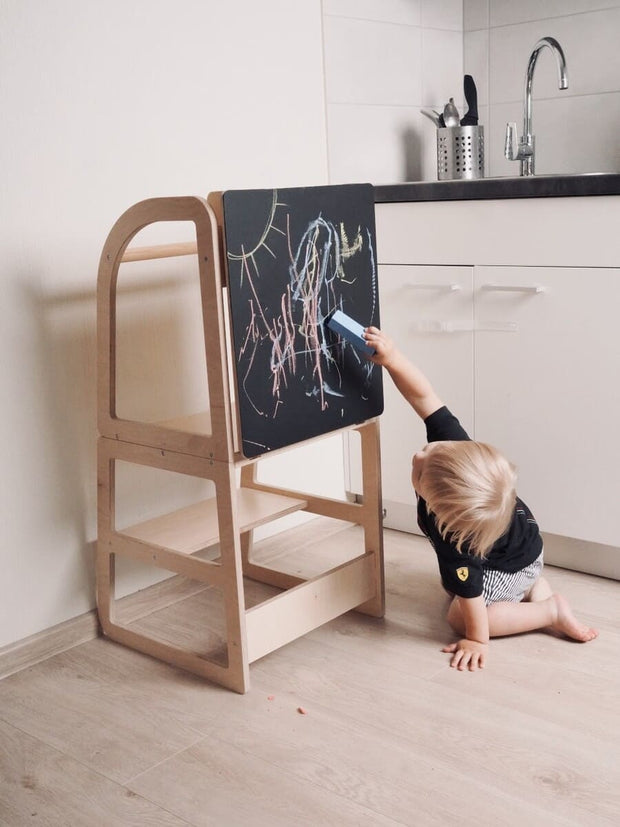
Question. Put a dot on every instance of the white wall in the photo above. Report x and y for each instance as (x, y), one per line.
(577, 130)
(104, 104)
(385, 60)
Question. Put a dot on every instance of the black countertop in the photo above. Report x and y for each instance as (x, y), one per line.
(535, 186)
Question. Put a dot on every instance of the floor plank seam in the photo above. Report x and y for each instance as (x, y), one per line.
(308, 782)
(397, 667)
(121, 785)
(88, 766)
(170, 757)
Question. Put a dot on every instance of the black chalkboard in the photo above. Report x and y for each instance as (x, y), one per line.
(294, 256)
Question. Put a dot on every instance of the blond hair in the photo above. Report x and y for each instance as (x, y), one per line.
(470, 488)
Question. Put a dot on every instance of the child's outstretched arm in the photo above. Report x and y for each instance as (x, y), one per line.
(409, 379)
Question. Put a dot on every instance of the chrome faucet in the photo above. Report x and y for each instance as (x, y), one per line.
(524, 150)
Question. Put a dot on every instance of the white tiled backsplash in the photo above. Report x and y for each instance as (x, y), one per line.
(385, 60)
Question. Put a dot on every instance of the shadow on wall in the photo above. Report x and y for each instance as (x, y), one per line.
(63, 375)
(159, 376)
(412, 154)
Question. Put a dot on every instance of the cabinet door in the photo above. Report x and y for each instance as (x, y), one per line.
(428, 312)
(547, 392)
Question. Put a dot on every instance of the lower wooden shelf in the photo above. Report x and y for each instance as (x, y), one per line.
(195, 527)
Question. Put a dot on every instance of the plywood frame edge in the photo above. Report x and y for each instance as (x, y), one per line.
(184, 208)
(227, 573)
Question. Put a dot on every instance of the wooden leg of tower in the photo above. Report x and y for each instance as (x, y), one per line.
(252, 570)
(372, 520)
(104, 566)
(105, 586)
(248, 476)
(234, 599)
(246, 544)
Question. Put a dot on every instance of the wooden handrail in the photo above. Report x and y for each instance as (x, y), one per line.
(182, 248)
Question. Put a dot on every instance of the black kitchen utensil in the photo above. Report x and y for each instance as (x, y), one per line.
(471, 96)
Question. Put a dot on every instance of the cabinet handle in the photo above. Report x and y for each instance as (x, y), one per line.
(515, 288)
(450, 288)
(497, 327)
(460, 326)
(442, 326)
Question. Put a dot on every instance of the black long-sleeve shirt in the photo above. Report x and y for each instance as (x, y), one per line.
(461, 572)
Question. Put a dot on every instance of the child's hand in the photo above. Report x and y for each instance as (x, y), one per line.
(468, 654)
(384, 346)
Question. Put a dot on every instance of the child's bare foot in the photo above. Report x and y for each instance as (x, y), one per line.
(567, 623)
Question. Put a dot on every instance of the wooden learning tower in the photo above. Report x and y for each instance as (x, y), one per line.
(190, 446)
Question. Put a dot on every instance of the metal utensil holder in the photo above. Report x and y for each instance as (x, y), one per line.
(460, 152)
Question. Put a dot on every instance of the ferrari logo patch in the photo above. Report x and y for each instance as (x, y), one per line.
(462, 573)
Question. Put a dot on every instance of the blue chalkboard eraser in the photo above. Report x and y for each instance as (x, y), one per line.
(350, 330)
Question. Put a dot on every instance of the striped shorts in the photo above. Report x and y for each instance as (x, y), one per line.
(500, 586)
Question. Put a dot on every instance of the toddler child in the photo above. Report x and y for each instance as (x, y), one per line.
(488, 545)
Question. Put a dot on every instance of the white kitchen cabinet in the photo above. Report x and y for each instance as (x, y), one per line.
(547, 390)
(535, 372)
(429, 312)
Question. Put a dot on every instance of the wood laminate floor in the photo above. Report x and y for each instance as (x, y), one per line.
(101, 735)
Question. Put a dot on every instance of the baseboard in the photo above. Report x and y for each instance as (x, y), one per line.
(401, 516)
(43, 645)
(582, 555)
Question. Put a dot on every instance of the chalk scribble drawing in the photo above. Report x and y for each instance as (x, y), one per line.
(294, 257)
